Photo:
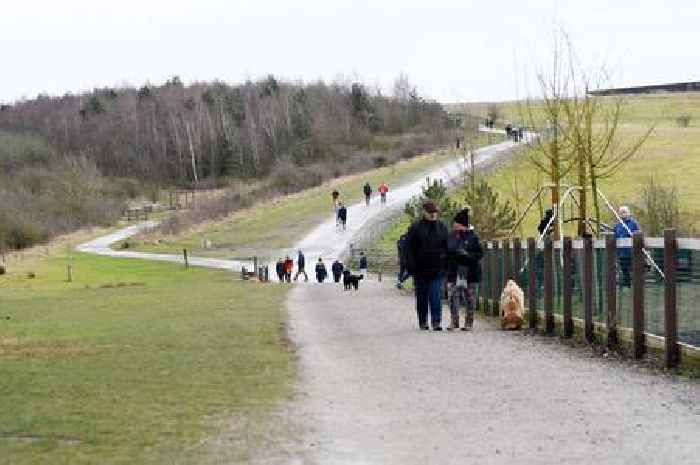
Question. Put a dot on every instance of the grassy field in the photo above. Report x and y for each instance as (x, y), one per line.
(671, 154)
(278, 223)
(134, 362)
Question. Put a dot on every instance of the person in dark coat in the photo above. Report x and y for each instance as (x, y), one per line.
(279, 268)
(321, 271)
(403, 267)
(464, 252)
(544, 223)
(363, 264)
(337, 270)
(367, 189)
(301, 264)
(342, 216)
(427, 261)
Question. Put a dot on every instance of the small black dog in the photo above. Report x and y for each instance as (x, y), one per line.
(350, 280)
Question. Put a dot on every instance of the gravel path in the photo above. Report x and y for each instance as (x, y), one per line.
(376, 390)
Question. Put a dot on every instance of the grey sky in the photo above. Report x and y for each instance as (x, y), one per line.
(452, 50)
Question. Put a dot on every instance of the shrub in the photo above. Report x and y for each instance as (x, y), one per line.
(683, 120)
(659, 209)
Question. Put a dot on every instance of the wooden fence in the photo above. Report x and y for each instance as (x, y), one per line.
(546, 269)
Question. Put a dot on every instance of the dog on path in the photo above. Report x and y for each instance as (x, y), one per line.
(512, 306)
(350, 280)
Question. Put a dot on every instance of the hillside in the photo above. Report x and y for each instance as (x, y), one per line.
(72, 161)
(671, 155)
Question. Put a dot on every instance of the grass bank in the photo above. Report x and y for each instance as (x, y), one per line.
(671, 154)
(279, 223)
(133, 362)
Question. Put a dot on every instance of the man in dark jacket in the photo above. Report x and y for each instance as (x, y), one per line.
(321, 271)
(342, 216)
(279, 268)
(403, 267)
(464, 253)
(363, 264)
(427, 260)
(301, 264)
(367, 189)
(337, 270)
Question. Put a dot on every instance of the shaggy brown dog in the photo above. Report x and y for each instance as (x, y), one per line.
(512, 306)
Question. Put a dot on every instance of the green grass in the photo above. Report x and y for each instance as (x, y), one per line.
(671, 154)
(279, 223)
(133, 362)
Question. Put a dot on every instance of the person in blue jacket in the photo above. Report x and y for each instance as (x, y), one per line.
(624, 229)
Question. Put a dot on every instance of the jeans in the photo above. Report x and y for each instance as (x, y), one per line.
(429, 294)
(462, 295)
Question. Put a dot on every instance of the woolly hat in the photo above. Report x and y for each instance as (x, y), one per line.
(462, 217)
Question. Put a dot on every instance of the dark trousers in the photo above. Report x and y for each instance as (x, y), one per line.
(429, 295)
(336, 277)
(625, 262)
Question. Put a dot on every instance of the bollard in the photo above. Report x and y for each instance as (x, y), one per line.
(184, 254)
(588, 288)
(610, 288)
(548, 287)
(638, 262)
(532, 282)
(670, 311)
(568, 279)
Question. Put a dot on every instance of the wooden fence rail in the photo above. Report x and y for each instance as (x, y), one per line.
(551, 266)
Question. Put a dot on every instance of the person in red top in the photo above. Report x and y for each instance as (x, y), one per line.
(288, 267)
(383, 189)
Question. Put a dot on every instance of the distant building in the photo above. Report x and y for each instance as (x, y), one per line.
(656, 88)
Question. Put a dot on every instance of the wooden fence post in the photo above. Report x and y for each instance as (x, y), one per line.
(184, 254)
(638, 340)
(548, 287)
(495, 281)
(670, 315)
(611, 288)
(507, 268)
(588, 288)
(517, 253)
(568, 279)
(486, 282)
(532, 282)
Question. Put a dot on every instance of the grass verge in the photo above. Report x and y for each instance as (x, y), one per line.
(133, 362)
(278, 223)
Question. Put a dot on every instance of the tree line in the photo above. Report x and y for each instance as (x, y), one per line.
(73, 161)
(177, 134)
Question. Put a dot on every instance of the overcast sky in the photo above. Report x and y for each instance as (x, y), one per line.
(458, 50)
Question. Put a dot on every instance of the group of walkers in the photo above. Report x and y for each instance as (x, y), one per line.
(284, 268)
(341, 211)
(431, 253)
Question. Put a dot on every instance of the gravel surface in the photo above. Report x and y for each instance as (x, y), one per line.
(376, 390)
